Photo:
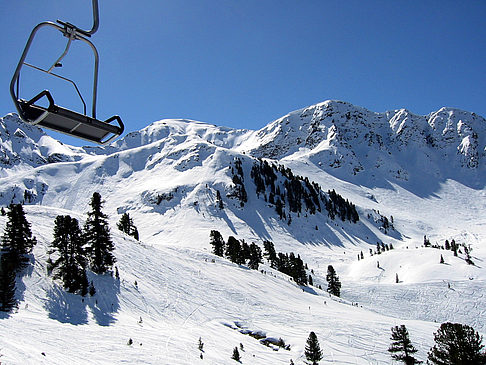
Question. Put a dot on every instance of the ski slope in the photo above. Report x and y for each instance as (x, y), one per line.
(181, 295)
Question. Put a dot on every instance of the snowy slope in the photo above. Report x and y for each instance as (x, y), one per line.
(427, 172)
(181, 295)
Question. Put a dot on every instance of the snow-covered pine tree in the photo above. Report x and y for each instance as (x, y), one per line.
(401, 347)
(17, 237)
(216, 240)
(334, 285)
(255, 256)
(313, 352)
(125, 224)
(219, 199)
(245, 252)
(97, 234)
(270, 253)
(236, 354)
(298, 270)
(70, 261)
(233, 250)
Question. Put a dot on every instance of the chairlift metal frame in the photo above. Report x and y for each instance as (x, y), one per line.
(57, 118)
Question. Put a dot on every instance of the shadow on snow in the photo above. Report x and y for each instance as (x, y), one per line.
(71, 308)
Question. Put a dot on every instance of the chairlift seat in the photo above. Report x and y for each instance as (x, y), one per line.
(69, 122)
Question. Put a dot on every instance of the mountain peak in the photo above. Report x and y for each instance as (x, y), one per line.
(351, 141)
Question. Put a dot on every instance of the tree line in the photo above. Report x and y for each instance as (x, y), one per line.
(296, 194)
(239, 252)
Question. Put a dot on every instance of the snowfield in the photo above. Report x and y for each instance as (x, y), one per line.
(426, 174)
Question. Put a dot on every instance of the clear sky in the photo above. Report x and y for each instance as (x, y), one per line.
(244, 63)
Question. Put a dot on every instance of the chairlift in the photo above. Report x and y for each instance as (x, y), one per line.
(55, 117)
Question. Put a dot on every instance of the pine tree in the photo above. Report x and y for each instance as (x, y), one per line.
(200, 345)
(17, 237)
(255, 256)
(457, 344)
(334, 285)
(70, 262)
(467, 252)
(126, 225)
(97, 235)
(454, 247)
(7, 283)
(244, 253)
(236, 354)
(233, 250)
(270, 253)
(401, 348)
(297, 269)
(216, 240)
(313, 352)
(219, 200)
(442, 259)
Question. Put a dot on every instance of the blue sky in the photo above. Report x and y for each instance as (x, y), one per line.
(245, 63)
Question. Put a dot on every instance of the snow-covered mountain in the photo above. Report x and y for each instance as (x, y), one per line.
(405, 175)
(347, 141)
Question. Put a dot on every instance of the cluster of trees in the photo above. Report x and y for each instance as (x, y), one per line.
(336, 205)
(380, 248)
(17, 243)
(385, 223)
(296, 268)
(455, 344)
(296, 192)
(239, 252)
(286, 263)
(238, 179)
(454, 247)
(289, 193)
(235, 250)
(74, 250)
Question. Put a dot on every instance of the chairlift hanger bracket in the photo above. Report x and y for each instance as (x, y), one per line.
(57, 118)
